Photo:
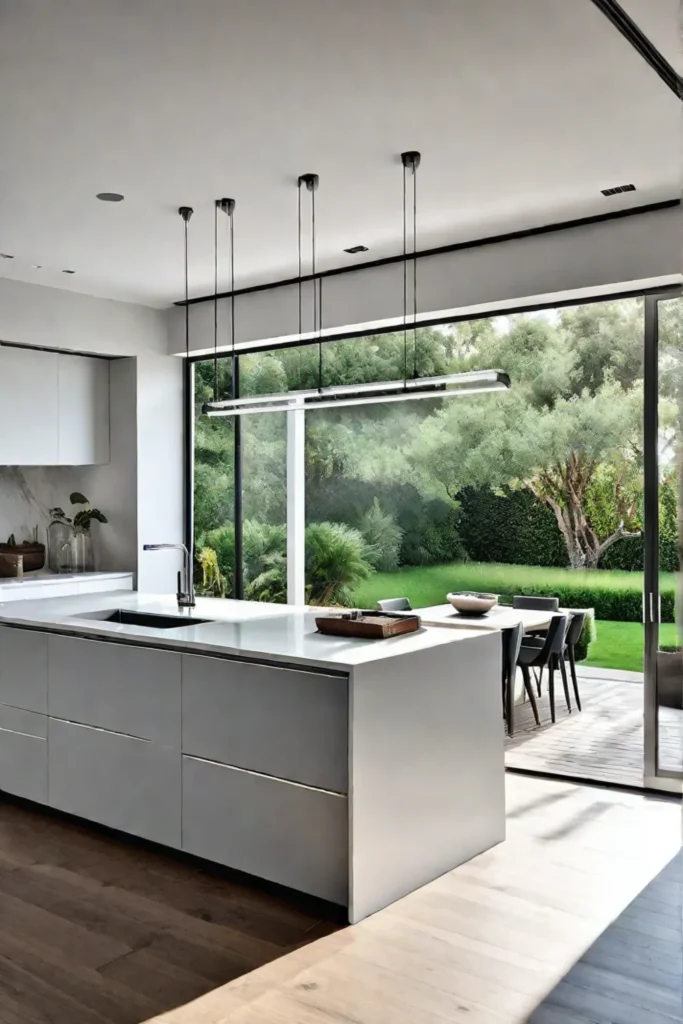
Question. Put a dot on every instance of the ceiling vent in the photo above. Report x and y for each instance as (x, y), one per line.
(617, 189)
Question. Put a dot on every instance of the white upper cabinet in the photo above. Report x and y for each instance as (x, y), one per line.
(29, 407)
(54, 409)
(83, 411)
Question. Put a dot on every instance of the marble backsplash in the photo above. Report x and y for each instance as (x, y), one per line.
(28, 493)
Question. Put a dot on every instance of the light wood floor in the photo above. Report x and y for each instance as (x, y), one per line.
(575, 919)
(603, 742)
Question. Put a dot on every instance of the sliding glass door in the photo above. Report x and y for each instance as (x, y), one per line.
(663, 452)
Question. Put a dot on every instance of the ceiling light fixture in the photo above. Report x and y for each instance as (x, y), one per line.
(411, 387)
(37, 266)
(186, 214)
(356, 248)
(110, 197)
(6, 256)
(68, 271)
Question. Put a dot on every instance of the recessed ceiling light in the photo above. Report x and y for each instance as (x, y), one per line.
(6, 256)
(110, 197)
(356, 248)
(68, 271)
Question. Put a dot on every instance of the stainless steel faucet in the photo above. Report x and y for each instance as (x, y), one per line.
(185, 592)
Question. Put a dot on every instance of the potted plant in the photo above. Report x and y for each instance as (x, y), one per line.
(670, 677)
(70, 537)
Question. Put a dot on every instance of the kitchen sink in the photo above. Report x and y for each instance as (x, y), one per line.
(151, 619)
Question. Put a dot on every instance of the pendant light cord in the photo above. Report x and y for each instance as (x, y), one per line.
(187, 298)
(215, 301)
(405, 281)
(231, 216)
(415, 272)
(315, 293)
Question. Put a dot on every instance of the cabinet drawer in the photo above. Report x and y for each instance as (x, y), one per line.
(276, 830)
(23, 754)
(23, 669)
(281, 722)
(132, 690)
(126, 783)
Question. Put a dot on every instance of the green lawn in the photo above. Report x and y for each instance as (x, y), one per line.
(426, 585)
(618, 644)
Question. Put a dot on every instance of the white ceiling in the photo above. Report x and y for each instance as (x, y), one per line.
(523, 111)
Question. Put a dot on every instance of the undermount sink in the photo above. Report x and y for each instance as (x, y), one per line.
(151, 619)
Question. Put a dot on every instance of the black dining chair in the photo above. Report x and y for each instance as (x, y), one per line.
(512, 641)
(395, 604)
(576, 623)
(546, 653)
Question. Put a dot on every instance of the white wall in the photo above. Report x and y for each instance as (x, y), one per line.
(142, 488)
(635, 251)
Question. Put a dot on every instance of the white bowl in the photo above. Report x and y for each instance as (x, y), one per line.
(471, 603)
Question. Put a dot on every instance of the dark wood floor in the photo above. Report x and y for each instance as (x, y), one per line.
(95, 930)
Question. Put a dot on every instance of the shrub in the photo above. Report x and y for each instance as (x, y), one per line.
(382, 536)
(335, 563)
(264, 552)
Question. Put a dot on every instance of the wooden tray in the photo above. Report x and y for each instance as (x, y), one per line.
(33, 555)
(368, 625)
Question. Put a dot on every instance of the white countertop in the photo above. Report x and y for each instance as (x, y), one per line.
(44, 577)
(272, 632)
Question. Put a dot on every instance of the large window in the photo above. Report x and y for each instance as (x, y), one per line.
(538, 490)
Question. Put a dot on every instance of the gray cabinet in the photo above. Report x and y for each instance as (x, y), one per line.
(277, 721)
(23, 754)
(23, 669)
(126, 689)
(277, 830)
(127, 783)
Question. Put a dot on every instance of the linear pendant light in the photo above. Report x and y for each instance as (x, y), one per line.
(451, 385)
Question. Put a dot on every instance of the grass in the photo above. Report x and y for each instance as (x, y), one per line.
(618, 644)
(426, 585)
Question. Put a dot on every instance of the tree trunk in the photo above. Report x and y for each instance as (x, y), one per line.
(584, 549)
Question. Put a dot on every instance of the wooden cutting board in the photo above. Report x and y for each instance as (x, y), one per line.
(368, 625)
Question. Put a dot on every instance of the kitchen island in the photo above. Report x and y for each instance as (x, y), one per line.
(351, 770)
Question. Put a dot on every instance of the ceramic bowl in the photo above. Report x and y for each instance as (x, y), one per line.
(470, 603)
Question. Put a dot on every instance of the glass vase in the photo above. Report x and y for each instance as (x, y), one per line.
(81, 552)
(59, 547)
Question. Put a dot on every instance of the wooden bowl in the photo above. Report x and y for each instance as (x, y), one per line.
(471, 603)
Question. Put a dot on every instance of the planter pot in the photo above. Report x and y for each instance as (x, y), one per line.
(670, 679)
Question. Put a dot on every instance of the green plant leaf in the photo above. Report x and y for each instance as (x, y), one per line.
(76, 498)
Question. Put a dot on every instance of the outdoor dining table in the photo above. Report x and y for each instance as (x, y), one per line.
(499, 617)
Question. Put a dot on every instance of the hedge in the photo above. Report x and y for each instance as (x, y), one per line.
(619, 604)
(510, 527)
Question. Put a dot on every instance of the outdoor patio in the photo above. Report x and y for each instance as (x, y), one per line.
(604, 741)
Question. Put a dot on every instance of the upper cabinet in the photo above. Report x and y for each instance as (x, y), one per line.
(83, 411)
(54, 409)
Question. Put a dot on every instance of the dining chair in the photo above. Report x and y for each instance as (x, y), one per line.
(512, 641)
(576, 623)
(546, 653)
(541, 604)
(395, 604)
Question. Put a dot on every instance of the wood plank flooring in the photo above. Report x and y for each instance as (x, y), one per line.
(575, 919)
(603, 742)
(95, 930)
